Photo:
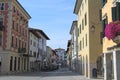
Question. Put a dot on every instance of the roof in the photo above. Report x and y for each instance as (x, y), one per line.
(77, 6)
(74, 24)
(33, 30)
(23, 9)
(59, 49)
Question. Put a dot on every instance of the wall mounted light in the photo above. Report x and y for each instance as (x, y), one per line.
(92, 28)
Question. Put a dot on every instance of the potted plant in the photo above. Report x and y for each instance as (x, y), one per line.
(112, 31)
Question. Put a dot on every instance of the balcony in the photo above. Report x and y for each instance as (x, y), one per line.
(21, 50)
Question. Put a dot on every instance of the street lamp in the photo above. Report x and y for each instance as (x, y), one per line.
(92, 28)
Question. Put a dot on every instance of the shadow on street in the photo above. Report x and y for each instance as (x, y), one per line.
(59, 72)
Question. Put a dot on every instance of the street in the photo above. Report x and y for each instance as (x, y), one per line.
(61, 74)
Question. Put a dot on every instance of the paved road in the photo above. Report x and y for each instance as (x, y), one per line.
(62, 74)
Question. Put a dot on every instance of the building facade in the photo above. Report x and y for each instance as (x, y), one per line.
(49, 55)
(74, 41)
(89, 40)
(69, 54)
(14, 37)
(61, 52)
(33, 50)
(37, 49)
(42, 45)
(110, 13)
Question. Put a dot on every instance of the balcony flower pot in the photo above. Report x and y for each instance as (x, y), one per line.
(116, 39)
(112, 30)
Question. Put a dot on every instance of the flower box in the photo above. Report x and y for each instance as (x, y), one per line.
(117, 39)
(112, 30)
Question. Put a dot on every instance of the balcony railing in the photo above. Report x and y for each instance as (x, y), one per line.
(21, 50)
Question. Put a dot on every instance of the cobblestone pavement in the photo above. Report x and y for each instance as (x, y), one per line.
(61, 74)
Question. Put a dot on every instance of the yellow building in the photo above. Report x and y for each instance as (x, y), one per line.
(89, 34)
(110, 12)
(106, 18)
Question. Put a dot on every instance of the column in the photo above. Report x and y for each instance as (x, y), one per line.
(107, 66)
(116, 64)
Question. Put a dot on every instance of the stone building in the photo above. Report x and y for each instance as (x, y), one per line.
(14, 21)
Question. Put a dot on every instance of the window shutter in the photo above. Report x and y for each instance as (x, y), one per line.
(114, 16)
(118, 10)
(103, 26)
(100, 14)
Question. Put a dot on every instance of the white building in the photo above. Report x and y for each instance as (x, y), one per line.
(61, 53)
(33, 49)
(74, 41)
(40, 53)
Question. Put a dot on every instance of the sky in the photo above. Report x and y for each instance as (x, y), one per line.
(54, 17)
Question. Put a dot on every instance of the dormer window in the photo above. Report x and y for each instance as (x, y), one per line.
(1, 6)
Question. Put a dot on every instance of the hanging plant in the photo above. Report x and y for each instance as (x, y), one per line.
(112, 29)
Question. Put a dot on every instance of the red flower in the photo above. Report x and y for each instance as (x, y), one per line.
(112, 29)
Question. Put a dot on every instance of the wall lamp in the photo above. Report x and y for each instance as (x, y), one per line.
(92, 28)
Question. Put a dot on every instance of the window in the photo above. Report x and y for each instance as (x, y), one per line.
(0, 38)
(82, 24)
(104, 2)
(34, 44)
(1, 6)
(12, 43)
(31, 53)
(22, 44)
(86, 39)
(85, 19)
(17, 27)
(116, 12)
(104, 23)
(34, 54)
(24, 63)
(101, 37)
(16, 43)
(14, 9)
(100, 14)
(31, 42)
(78, 31)
(18, 63)
(13, 24)
(15, 64)
(83, 42)
(11, 63)
(25, 44)
(19, 43)
(1, 24)
(80, 46)
(80, 28)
